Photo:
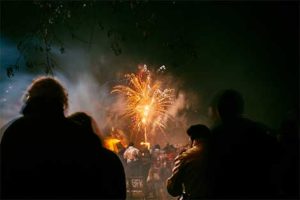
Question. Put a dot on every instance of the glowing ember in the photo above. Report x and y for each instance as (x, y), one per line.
(146, 102)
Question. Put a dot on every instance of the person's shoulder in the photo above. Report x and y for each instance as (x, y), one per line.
(261, 131)
(15, 123)
(109, 154)
(16, 126)
(111, 157)
(257, 126)
(186, 157)
(193, 152)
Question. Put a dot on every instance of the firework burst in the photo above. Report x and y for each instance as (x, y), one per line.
(146, 102)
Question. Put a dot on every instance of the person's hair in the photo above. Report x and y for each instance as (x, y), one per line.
(48, 90)
(87, 123)
(83, 119)
(230, 104)
(131, 144)
(198, 131)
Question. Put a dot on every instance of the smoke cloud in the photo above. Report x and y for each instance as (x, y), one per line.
(89, 80)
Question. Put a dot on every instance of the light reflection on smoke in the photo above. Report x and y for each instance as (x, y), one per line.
(89, 86)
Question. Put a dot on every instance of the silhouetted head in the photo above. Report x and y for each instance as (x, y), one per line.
(131, 144)
(198, 132)
(87, 123)
(45, 93)
(230, 104)
(83, 120)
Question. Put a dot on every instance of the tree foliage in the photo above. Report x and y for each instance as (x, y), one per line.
(52, 18)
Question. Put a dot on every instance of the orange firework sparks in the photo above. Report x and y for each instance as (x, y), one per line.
(146, 102)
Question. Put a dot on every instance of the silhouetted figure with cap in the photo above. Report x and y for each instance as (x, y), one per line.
(189, 175)
(242, 153)
(46, 155)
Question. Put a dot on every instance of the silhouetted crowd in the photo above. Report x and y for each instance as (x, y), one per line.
(46, 154)
(149, 169)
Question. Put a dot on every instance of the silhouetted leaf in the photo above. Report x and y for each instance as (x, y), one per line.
(17, 66)
(10, 72)
(62, 50)
(109, 33)
(48, 70)
(116, 48)
(145, 34)
(29, 64)
(100, 26)
(19, 45)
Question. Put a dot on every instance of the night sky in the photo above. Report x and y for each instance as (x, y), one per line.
(206, 47)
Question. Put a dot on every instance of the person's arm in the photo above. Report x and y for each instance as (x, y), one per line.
(174, 183)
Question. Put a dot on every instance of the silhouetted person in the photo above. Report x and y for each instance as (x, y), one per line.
(107, 172)
(289, 158)
(132, 158)
(242, 153)
(46, 155)
(88, 124)
(189, 176)
(145, 165)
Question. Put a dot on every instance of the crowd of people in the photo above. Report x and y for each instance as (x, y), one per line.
(151, 167)
(46, 154)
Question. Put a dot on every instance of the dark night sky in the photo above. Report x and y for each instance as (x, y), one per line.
(248, 46)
